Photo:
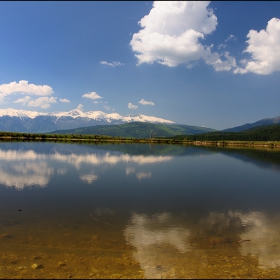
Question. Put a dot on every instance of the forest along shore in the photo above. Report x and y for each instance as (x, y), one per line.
(4, 136)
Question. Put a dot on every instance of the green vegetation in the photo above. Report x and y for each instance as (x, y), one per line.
(137, 130)
(79, 137)
(264, 136)
(260, 133)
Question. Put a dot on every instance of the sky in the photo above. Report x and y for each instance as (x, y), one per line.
(212, 64)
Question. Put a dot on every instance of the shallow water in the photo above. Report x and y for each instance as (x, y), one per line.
(138, 211)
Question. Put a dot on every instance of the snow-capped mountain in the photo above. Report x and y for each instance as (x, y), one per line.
(14, 120)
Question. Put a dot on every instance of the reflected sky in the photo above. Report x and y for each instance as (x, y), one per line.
(22, 168)
(24, 165)
(259, 232)
(183, 210)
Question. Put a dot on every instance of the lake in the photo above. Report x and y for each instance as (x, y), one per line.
(138, 211)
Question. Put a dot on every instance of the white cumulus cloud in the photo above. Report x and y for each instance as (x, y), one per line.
(144, 102)
(64, 100)
(43, 102)
(131, 106)
(264, 47)
(23, 100)
(171, 32)
(112, 64)
(23, 87)
(92, 95)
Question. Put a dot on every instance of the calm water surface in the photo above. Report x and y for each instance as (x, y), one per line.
(138, 211)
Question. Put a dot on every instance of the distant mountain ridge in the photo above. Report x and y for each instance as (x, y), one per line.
(267, 121)
(138, 130)
(259, 133)
(14, 120)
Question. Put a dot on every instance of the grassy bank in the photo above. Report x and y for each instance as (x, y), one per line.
(6, 136)
(230, 143)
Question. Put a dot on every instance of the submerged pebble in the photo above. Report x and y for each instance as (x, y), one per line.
(36, 266)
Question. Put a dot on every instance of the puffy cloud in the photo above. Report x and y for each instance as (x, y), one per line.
(131, 106)
(112, 64)
(264, 47)
(215, 60)
(23, 87)
(23, 100)
(171, 32)
(144, 102)
(92, 95)
(43, 102)
(80, 107)
(64, 100)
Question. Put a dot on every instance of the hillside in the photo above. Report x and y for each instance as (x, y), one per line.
(260, 133)
(137, 130)
(267, 121)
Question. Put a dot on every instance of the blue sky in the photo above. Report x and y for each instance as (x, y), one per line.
(213, 64)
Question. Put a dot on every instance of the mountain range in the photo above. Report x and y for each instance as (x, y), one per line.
(13, 120)
(138, 130)
(259, 133)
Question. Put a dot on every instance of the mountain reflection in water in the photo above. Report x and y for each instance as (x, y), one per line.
(138, 211)
(23, 168)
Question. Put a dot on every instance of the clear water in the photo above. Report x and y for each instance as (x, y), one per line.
(138, 211)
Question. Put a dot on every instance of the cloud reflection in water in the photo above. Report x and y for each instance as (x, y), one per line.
(145, 232)
(26, 168)
(89, 178)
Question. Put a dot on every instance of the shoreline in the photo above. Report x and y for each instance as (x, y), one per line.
(108, 139)
(247, 144)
